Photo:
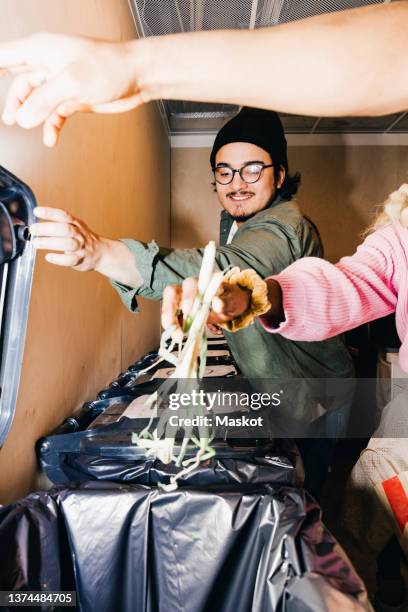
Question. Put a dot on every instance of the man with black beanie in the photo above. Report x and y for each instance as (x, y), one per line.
(250, 135)
(260, 127)
(261, 228)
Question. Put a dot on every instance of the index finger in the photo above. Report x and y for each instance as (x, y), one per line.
(53, 214)
(170, 306)
(52, 228)
(189, 294)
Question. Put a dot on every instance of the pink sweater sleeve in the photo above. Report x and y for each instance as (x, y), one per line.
(321, 300)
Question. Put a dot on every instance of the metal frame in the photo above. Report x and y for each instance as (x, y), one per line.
(16, 280)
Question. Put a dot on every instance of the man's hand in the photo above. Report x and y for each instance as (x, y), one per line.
(82, 249)
(230, 302)
(57, 76)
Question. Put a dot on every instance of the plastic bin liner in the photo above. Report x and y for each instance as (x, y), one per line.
(107, 453)
(103, 457)
(130, 548)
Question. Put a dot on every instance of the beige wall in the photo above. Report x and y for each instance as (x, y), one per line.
(340, 188)
(113, 171)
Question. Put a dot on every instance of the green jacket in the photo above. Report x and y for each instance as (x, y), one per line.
(268, 243)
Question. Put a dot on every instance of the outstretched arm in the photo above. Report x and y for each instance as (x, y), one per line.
(136, 268)
(321, 300)
(311, 299)
(347, 63)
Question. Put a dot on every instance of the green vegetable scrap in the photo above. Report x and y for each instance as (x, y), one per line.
(189, 362)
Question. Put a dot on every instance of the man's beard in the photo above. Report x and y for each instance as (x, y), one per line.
(243, 218)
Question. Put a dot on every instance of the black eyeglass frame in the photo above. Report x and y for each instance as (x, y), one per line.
(239, 170)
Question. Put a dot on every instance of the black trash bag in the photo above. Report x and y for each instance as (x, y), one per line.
(262, 467)
(107, 453)
(136, 549)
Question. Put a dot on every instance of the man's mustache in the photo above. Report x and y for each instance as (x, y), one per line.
(243, 193)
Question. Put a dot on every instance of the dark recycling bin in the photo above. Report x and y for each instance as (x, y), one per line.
(16, 266)
(238, 535)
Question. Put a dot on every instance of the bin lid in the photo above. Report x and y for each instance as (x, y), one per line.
(17, 256)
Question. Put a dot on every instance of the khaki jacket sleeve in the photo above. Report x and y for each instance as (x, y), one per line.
(267, 249)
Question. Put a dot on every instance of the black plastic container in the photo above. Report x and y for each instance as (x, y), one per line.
(16, 267)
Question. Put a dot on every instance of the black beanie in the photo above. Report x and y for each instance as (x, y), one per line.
(259, 127)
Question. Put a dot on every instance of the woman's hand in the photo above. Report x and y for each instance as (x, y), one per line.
(57, 76)
(230, 302)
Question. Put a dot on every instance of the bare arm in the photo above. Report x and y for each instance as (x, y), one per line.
(348, 63)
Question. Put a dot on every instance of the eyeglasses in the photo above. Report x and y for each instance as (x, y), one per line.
(249, 173)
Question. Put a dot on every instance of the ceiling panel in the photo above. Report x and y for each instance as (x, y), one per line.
(300, 9)
(401, 125)
(356, 124)
(297, 124)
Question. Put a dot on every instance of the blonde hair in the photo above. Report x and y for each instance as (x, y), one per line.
(395, 210)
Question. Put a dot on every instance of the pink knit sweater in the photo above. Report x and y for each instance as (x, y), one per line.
(321, 299)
